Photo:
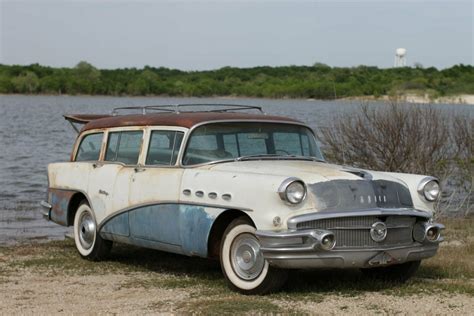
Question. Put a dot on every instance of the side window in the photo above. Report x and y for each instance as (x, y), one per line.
(89, 149)
(164, 147)
(124, 147)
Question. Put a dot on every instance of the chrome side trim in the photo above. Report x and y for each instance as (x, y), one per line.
(294, 221)
(130, 208)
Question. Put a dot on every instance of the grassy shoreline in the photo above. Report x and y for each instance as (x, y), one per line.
(461, 99)
(141, 281)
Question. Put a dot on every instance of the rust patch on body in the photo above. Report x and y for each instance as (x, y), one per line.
(59, 200)
(187, 120)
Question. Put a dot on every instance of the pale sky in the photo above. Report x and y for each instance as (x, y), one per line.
(197, 35)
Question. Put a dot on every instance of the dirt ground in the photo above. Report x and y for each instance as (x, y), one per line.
(51, 278)
(33, 293)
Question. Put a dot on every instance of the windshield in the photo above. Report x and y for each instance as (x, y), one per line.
(231, 141)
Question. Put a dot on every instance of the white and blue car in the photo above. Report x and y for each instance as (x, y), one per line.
(249, 189)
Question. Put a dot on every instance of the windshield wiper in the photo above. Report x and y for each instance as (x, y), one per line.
(249, 157)
(306, 158)
(277, 156)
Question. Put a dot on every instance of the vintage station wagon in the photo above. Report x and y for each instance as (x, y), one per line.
(249, 189)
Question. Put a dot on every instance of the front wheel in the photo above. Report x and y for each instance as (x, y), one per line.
(89, 244)
(244, 267)
(395, 273)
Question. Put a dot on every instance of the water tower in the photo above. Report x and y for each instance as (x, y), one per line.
(400, 57)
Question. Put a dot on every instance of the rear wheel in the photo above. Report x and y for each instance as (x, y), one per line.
(396, 273)
(89, 244)
(243, 264)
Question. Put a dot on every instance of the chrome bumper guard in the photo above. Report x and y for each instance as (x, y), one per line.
(304, 249)
(46, 209)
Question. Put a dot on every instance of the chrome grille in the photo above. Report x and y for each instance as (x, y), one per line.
(354, 232)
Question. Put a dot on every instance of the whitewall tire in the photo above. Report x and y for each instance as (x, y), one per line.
(243, 264)
(89, 244)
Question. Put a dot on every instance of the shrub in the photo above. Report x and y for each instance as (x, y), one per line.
(408, 139)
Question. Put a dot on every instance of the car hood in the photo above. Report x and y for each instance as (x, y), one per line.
(308, 171)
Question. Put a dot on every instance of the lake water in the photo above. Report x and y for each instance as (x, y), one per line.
(33, 133)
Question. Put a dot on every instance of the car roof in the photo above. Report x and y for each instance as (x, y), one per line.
(181, 119)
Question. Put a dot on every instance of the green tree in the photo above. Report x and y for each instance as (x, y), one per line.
(27, 82)
(84, 80)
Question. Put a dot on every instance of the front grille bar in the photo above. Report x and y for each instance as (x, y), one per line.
(354, 232)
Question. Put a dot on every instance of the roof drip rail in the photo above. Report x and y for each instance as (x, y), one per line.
(185, 108)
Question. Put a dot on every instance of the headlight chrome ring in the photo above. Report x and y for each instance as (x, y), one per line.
(429, 188)
(292, 191)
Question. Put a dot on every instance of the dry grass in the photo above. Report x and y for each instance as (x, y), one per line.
(455, 258)
(198, 285)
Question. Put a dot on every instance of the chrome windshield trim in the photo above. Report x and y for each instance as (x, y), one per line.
(191, 130)
(294, 221)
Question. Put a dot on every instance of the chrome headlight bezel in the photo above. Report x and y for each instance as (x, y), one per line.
(283, 191)
(424, 189)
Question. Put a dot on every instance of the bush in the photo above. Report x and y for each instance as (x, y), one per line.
(408, 139)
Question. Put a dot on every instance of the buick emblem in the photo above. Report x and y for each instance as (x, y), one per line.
(378, 231)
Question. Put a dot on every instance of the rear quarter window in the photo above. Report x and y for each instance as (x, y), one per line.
(89, 149)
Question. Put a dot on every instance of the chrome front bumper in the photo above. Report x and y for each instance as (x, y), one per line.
(304, 249)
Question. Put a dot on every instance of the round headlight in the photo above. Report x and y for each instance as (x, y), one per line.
(295, 192)
(292, 190)
(431, 190)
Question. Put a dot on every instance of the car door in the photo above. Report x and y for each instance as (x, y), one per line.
(154, 188)
(122, 152)
(67, 178)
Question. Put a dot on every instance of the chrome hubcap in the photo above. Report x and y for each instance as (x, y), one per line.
(246, 258)
(86, 230)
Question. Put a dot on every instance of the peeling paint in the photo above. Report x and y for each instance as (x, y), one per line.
(359, 194)
(179, 228)
(59, 200)
(195, 226)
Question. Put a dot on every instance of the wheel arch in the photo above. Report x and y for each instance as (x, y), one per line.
(219, 226)
(74, 203)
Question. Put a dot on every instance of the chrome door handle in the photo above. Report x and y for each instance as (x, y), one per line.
(96, 165)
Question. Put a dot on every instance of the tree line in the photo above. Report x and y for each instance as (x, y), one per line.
(318, 81)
